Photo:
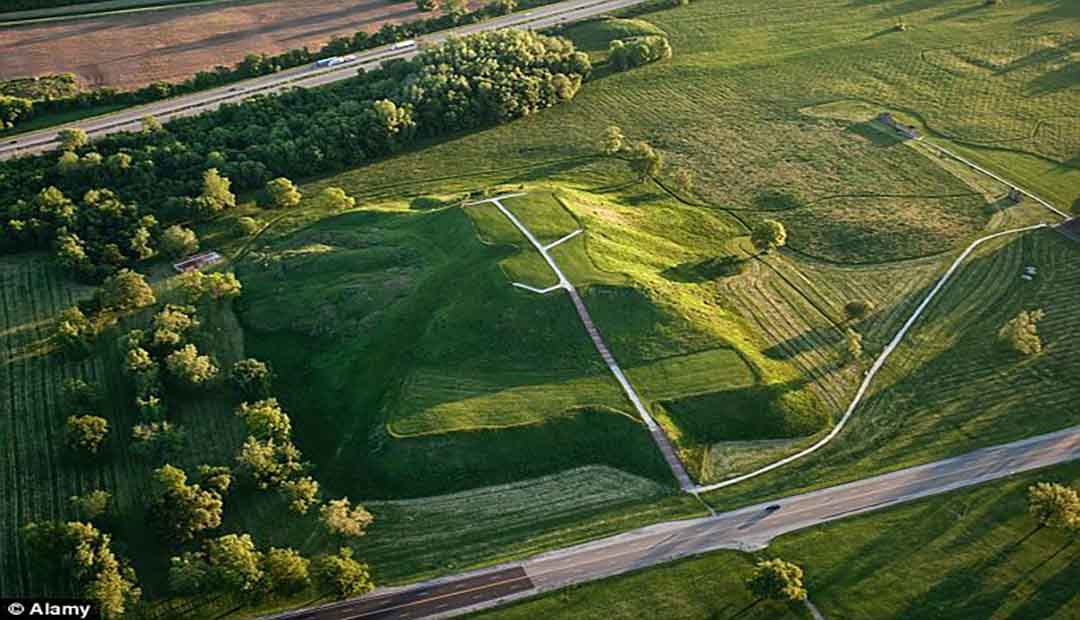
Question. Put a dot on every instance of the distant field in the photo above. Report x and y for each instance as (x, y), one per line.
(968, 554)
(131, 50)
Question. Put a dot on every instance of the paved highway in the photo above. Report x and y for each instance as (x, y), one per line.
(306, 76)
(748, 528)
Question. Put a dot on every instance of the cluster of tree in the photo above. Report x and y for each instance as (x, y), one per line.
(80, 554)
(630, 53)
(190, 169)
(233, 563)
(15, 110)
(776, 580)
(1054, 505)
(644, 160)
(85, 430)
(1021, 333)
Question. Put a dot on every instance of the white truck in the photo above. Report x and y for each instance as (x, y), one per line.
(400, 45)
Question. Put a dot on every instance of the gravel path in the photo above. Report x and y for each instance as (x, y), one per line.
(661, 439)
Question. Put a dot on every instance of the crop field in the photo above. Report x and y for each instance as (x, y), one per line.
(967, 554)
(131, 50)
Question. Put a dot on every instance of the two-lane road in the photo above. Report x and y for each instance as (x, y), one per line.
(129, 119)
(747, 528)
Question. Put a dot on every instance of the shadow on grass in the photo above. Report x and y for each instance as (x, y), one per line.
(706, 270)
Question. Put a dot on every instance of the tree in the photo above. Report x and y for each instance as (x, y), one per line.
(221, 285)
(776, 580)
(246, 226)
(301, 494)
(217, 478)
(194, 285)
(342, 519)
(72, 139)
(79, 553)
(645, 161)
(126, 290)
(182, 510)
(74, 332)
(251, 378)
(216, 194)
(502, 7)
(190, 368)
(91, 505)
(138, 361)
(767, 235)
(235, 563)
(1021, 333)
(267, 462)
(1054, 505)
(456, 8)
(282, 194)
(613, 140)
(177, 241)
(265, 420)
(427, 5)
(854, 344)
(170, 325)
(150, 124)
(286, 570)
(857, 310)
(157, 440)
(684, 179)
(189, 573)
(341, 576)
(335, 199)
(86, 433)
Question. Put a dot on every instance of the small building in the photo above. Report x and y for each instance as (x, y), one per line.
(888, 120)
(198, 261)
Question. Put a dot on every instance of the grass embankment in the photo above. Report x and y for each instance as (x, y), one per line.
(952, 386)
(968, 554)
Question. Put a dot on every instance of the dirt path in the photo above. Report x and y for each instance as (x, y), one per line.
(661, 439)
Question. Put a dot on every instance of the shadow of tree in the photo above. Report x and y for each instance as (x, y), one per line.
(707, 269)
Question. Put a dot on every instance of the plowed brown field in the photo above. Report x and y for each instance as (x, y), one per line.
(131, 50)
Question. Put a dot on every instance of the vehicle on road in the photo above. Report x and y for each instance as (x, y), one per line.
(329, 62)
(772, 508)
(400, 45)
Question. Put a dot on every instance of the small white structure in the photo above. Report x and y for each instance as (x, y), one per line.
(198, 261)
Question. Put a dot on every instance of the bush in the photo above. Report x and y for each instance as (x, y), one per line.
(178, 241)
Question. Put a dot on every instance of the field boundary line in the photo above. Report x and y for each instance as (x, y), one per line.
(878, 364)
(980, 169)
(667, 450)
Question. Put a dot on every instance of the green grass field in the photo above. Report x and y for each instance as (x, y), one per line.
(40, 472)
(420, 381)
(967, 554)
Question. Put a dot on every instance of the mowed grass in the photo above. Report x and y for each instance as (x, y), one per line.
(414, 368)
(952, 386)
(40, 472)
(435, 401)
(972, 553)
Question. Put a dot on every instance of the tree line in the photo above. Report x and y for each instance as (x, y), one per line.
(190, 169)
(163, 365)
(15, 110)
